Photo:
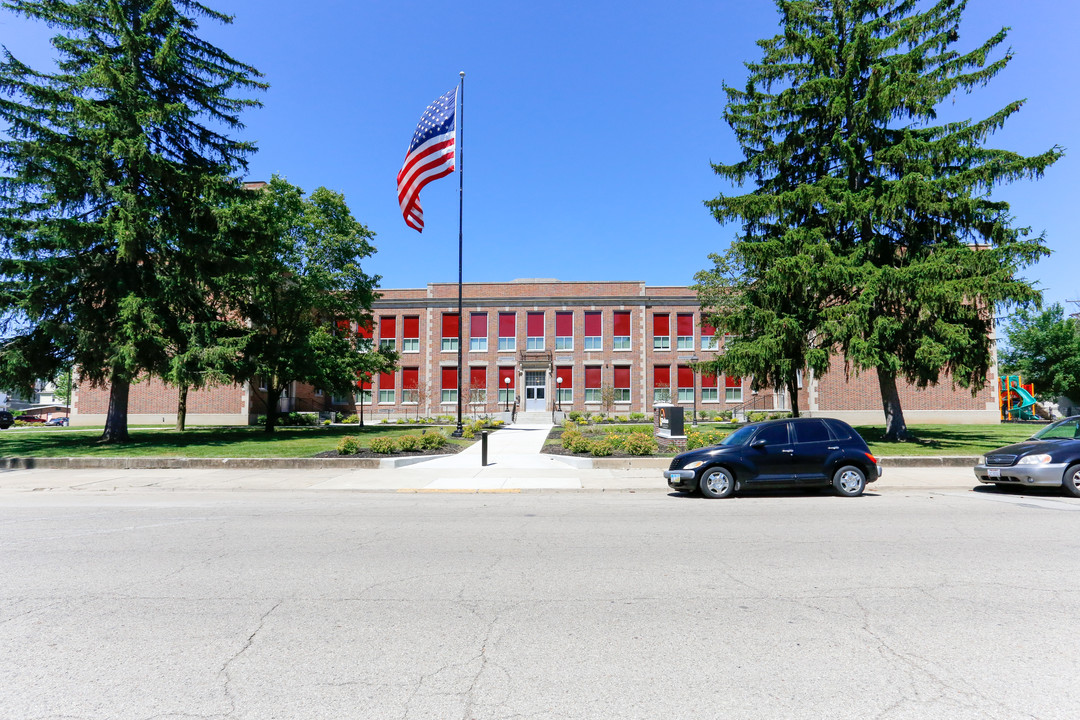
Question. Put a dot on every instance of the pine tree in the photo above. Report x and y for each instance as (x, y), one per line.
(113, 168)
(838, 127)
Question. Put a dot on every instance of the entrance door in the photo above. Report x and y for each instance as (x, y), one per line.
(535, 383)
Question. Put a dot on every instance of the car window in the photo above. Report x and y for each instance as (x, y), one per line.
(811, 431)
(739, 437)
(773, 435)
(1063, 429)
(840, 430)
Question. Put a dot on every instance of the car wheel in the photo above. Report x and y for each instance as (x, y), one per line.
(849, 481)
(717, 483)
(1071, 480)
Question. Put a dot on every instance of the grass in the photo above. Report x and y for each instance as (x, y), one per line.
(948, 439)
(203, 442)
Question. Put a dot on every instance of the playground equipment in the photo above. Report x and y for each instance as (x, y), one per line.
(1017, 399)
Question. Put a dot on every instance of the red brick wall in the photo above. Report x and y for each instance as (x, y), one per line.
(151, 396)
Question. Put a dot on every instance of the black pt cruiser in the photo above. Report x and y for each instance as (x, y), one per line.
(801, 452)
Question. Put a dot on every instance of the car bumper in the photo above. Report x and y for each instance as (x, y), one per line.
(1022, 474)
(681, 479)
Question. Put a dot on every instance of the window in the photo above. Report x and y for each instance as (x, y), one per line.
(477, 385)
(661, 384)
(661, 332)
(450, 329)
(594, 339)
(534, 331)
(732, 389)
(410, 343)
(592, 384)
(621, 330)
(506, 386)
(564, 391)
(709, 391)
(809, 431)
(318, 392)
(365, 331)
(386, 388)
(708, 336)
(684, 329)
(410, 382)
(622, 384)
(449, 385)
(564, 331)
(388, 332)
(364, 397)
(685, 380)
(478, 332)
(507, 332)
(774, 435)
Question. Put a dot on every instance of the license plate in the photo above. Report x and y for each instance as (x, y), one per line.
(993, 472)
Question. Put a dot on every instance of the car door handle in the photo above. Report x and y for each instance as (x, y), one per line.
(787, 451)
(833, 447)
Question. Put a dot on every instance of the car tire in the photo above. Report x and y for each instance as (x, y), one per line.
(1071, 480)
(716, 483)
(849, 481)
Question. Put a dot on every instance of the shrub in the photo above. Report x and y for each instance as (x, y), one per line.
(348, 445)
(401, 421)
(383, 445)
(351, 419)
(755, 416)
(574, 415)
(636, 416)
(409, 443)
(432, 440)
(704, 438)
(639, 443)
(326, 423)
(604, 446)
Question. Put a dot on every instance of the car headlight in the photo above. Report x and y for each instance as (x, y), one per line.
(694, 465)
(1034, 460)
(982, 460)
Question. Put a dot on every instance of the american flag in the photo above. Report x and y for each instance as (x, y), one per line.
(430, 156)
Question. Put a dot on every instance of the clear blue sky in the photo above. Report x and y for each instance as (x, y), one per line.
(588, 126)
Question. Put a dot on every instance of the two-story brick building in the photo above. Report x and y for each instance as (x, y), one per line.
(617, 347)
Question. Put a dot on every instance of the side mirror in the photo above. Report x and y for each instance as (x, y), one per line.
(758, 444)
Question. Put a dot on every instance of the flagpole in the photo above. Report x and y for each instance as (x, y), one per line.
(458, 431)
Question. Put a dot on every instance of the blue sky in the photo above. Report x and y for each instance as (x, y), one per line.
(588, 127)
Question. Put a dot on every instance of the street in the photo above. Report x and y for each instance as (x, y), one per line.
(904, 603)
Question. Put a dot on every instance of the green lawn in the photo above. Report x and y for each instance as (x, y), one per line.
(203, 442)
(948, 439)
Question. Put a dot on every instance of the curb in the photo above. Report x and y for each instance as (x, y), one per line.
(180, 463)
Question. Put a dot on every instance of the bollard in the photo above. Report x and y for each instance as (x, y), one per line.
(483, 448)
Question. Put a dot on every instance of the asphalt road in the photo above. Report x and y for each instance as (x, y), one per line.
(906, 604)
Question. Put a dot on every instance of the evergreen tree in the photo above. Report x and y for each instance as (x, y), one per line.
(838, 128)
(309, 293)
(112, 169)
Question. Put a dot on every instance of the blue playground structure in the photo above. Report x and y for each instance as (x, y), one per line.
(1017, 399)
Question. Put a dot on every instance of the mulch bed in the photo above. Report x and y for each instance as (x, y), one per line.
(447, 449)
(560, 450)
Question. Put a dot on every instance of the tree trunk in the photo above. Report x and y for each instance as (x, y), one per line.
(116, 422)
(273, 395)
(895, 427)
(793, 395)
(181, 409)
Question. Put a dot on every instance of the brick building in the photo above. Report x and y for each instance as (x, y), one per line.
(588, 346)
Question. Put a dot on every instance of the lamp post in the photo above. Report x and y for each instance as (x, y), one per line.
(693, 369)
(506, 381)
(558, 395)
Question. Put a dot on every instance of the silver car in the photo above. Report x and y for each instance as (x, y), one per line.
(1049, 458)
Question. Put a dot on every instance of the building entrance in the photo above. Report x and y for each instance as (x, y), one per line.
(535, 384)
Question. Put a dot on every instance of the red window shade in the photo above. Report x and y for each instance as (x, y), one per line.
(534, 325)
(506, 373)
(411, 327)
(732, 382)
(388, 328)
(343, 327)
(410, 378)
(592, 324)
(622, 378)
(707, 330)
(708, 381)
(592, 378)
(386, 381)
(364, 383)
(661, 376)
(449, 378)
(661, 325)
(686, 377)
(478, 325)
(567, 375)
(478, 378)
(449, 325)
(622, 324)
(365, 331)
(507, 325)
(685, 324)
(564, 324)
